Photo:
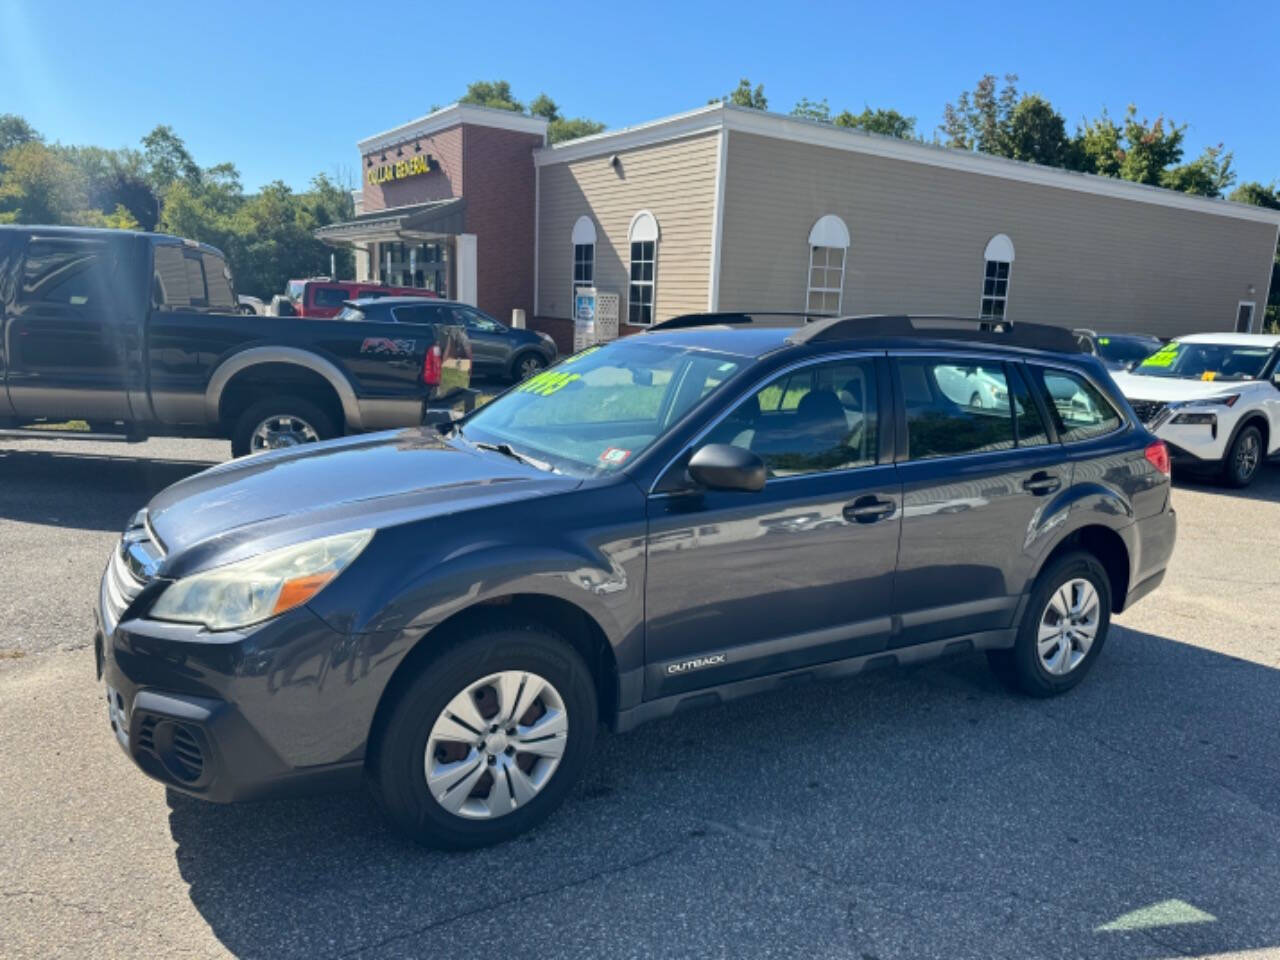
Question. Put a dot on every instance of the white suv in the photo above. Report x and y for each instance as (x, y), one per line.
(1214, 398)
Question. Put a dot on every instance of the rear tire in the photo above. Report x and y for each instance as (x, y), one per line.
(1053, 651)
(420, 738)
(308, 424)
(526, 365)
(1244, 457)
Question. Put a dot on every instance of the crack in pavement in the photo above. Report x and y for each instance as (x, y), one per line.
(522, 898)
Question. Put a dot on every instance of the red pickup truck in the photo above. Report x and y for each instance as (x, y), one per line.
(322, 297)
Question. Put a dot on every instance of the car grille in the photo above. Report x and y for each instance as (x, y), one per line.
(1148, 411)
(133, 564)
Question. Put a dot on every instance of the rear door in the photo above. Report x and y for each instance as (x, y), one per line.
(65, 329)
(978, 467)
(490, 343)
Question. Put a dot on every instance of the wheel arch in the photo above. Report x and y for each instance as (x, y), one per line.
(1110, 549)
(567, 619)
(1252, 418)
(244, 364)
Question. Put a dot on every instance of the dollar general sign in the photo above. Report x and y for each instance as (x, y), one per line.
(402, 169)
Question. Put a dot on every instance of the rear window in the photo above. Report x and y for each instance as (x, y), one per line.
(1079, 409)
(68, 271)
(330, 296)
(415, 314)
(217, 279)
(187, 279)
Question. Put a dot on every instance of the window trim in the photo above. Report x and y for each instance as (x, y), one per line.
(886, 424)
(1253, 314)
(633, 237)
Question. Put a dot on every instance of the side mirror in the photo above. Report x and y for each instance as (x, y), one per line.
(722, 466)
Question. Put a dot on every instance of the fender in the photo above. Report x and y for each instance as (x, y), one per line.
(1247, 418)
(253, 356)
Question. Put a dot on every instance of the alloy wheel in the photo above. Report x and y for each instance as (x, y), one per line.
(529, 366)
(277, 432)
(1068, 626)
(1247, 455)
(496, 745)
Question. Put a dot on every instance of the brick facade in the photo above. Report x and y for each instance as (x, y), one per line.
(445, 148)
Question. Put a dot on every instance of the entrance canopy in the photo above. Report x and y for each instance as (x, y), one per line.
(414, 222)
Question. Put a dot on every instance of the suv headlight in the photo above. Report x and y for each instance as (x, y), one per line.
(257, 589)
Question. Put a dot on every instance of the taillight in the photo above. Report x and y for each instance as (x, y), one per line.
(432, 366)
(1157, 455)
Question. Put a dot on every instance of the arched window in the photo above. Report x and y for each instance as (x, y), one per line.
(828, 243)
(997, 265)
(584, 255)
(643, 236)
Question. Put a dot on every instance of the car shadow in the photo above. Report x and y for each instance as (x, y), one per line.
(1265, 486)
(913, 813)
(83, 491)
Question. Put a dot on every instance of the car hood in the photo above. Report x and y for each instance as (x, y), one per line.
(1170, 389)
(258, 503)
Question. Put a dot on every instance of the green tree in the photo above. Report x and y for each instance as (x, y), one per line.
(570, 128)
(1209, 175)
(744, 96)
(979, 119)
(1036, 132)
(889, 123)
(807, 109)
(14, 131)
(116, 179)
(39, 185)
(167, 159)
(1149, 148)
(544, 106)
(1097, 148)
(496, 94)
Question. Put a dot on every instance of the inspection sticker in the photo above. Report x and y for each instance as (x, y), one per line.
(614, 456)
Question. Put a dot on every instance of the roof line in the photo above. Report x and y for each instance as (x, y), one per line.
(778, 126)
(451, 116)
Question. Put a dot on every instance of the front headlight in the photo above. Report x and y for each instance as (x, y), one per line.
(259, 588)
(1198, 419)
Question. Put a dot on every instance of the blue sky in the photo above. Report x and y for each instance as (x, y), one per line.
(284, 90)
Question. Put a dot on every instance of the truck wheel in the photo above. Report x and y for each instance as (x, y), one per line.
(1063, 628)
(1241, 463)
(487, 739)
(279, 422)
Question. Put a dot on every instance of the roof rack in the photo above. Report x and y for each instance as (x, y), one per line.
(822, 328)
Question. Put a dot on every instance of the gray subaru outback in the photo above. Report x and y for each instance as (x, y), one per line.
(679, 518)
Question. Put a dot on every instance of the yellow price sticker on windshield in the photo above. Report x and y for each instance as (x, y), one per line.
(548, 382)
(578, 356)
(1163, 357)
(1209, 375)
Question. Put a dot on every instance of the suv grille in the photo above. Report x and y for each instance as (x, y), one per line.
(132, 565)
(1148, 410)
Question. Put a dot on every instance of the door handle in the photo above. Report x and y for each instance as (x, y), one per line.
(869, 509)
(1041, 483)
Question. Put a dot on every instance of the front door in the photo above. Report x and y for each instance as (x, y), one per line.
(980, 469)
(65, 332)
(490, 345)
(746, 584)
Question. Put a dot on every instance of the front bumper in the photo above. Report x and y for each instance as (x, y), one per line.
(263, 713)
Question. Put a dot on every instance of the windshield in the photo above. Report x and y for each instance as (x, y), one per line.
(1126, 350)
(597, 410)
(1205, 361)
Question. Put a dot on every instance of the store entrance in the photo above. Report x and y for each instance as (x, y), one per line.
(422, 265)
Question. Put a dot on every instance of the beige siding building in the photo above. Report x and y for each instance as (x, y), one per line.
(724, 208)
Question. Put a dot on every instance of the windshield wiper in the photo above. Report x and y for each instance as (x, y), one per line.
(507, 450)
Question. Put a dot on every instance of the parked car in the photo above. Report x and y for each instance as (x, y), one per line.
(496, 350)
(707, 510)
(323, 297)
(251, 306)
(140, 334)
(1118, 351)
(1214, 398)
(969, 384)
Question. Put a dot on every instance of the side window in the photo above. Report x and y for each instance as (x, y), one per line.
(417, 314)
(822, 417)
(478, 321)
(218, 279)
(169, 286)
(195, 280)
(67, 272)
(1028, 422)
(1079, 409)
(330, 296)
(955, 408)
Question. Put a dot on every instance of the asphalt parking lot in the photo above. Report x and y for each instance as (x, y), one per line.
(917, 814)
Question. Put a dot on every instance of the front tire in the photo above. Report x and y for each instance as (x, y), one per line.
(487, 739)
(1063, 628)
(278, 422)
(1243, 458)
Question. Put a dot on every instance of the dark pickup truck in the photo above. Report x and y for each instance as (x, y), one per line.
(137, 335)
